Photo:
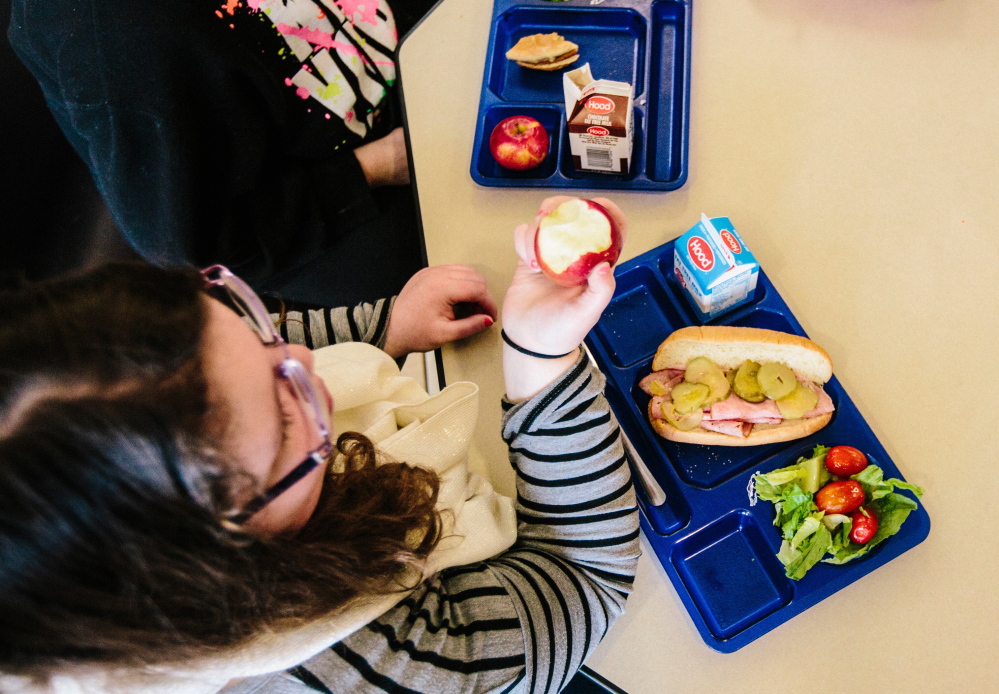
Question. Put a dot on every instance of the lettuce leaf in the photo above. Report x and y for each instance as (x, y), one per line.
(811, 550)
(875, 486)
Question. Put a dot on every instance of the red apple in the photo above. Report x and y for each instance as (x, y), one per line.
(519, 143)
(574, 238)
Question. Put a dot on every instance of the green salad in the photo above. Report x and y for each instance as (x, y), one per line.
(816, 519)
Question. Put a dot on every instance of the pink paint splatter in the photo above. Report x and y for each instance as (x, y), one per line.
(287, 81)
(366, 8)
(302, 92)
(327, 116)
(324, 39)
(253, 4)
(316, 37)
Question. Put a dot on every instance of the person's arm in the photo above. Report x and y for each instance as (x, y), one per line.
(317, 326)
(438, 304)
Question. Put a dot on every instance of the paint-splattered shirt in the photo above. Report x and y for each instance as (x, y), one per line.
(221, 130)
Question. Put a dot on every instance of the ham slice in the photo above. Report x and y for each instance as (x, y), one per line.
(825, 404)
(667, 377)
(656, 406)
(730, 427)
(734, 407)
(766, 412)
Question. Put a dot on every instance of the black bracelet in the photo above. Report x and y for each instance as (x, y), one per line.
(506, 339)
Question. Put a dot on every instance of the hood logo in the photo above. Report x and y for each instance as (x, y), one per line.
(597, 131)
(701, 253)
(733, 243)
(599, 104)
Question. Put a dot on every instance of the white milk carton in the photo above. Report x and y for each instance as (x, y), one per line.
(599, 121)
(716, 268)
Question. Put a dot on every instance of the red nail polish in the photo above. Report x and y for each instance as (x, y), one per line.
(534, 264)
(489, 322)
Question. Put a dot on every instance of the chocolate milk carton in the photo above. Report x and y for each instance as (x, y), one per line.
(599, 115)
(716, 268)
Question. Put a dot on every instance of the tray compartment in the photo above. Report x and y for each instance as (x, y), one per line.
(666, 93)
(618, 32)
(550, 118)
(703, 467)
(731, 317)
(707, 467)
(731, 574)
(638, 319)
(608, 180)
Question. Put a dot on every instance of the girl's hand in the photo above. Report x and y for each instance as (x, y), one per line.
(547, 318)
(423, 317)
(542, 316)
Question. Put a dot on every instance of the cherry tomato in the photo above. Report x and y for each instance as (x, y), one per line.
(864, 526)
(840, 497)
(844, 461)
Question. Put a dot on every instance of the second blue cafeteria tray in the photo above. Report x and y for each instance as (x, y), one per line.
(643, 42)
(718, 549)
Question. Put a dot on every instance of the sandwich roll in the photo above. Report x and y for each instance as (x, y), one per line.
(543, 52)
(730, 386)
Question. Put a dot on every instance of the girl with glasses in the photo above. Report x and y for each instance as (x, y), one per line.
(192, 505)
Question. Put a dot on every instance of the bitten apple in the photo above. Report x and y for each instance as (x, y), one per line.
(519, 143)
(574, 238)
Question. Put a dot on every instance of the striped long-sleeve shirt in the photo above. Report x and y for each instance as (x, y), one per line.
(525, 620)
(317, 327)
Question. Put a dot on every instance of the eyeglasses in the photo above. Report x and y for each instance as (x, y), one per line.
(246, 302)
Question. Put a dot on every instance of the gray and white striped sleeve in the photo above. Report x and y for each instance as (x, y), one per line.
(319, 327)
(525, 620)
(577, 549)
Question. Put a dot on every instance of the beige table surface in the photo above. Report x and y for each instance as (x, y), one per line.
(855, 145)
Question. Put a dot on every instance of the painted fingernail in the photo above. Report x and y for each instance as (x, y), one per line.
(489, 322)
(534, 264)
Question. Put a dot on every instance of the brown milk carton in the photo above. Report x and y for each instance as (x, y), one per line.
(599, 115)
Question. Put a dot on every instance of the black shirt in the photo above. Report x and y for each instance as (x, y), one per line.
(199, 140)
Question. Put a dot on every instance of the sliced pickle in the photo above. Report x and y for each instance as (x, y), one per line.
(776, 380)
(703, 370)
(730, 377)
(657, 388)
(688, 397)
(746, 385)
(801, 400)
(683, 422)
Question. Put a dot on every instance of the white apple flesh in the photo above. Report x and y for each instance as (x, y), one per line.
(574, 238)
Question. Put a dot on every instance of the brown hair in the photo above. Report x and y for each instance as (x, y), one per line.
(113, 545)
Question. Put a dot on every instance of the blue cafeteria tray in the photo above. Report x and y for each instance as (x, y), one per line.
(643, 42)
(718, 550)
